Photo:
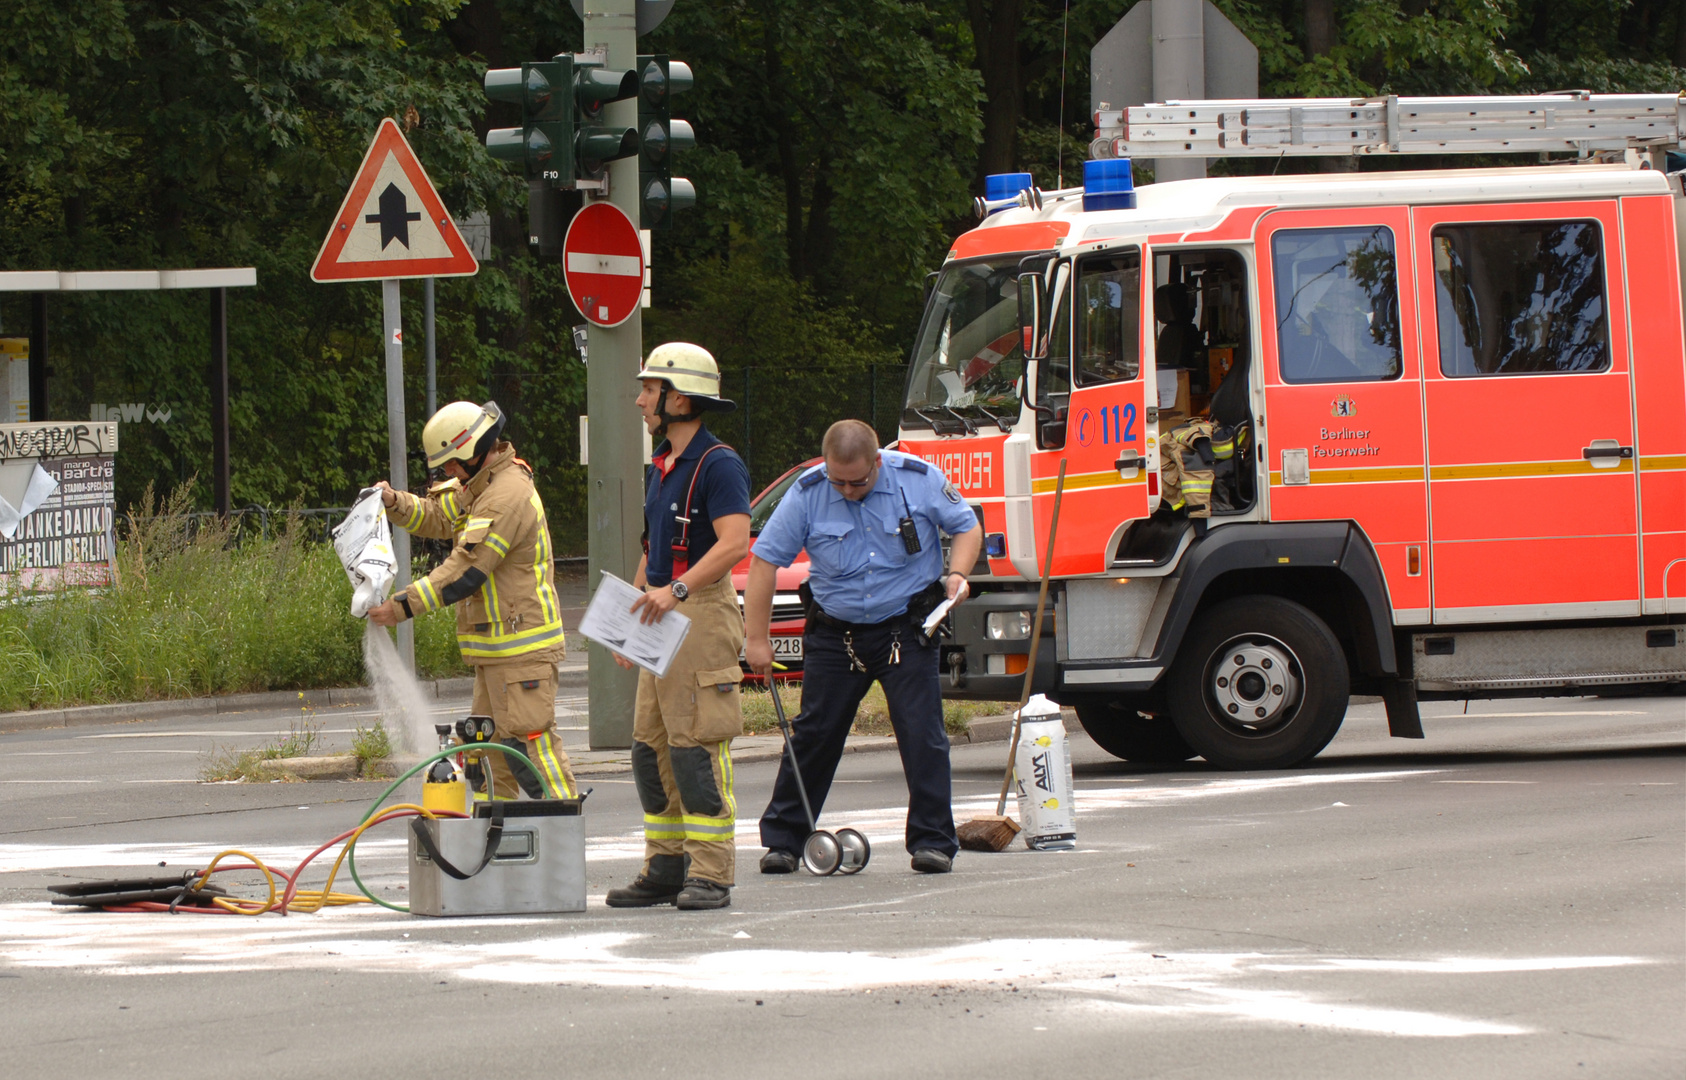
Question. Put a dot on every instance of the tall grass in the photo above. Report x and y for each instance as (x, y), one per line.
(196, 610)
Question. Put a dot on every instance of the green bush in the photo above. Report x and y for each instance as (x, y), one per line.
(194, 610)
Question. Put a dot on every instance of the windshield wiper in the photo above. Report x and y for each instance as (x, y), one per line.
(936, 422)
(965, 425)
(1000, 421)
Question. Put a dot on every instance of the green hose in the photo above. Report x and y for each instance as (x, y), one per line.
(374, 807)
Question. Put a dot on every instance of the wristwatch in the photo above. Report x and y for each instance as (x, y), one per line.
(680, 592)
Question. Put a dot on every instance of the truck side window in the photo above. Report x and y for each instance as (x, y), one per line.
(1053, 371)
(1520, 298)
(1109, 291)
(1337, 305)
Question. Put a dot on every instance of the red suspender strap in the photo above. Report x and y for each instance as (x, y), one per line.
(682, 545)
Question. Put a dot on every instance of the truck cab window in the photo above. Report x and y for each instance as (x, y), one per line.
(1200, 310)
(1520, 298)
(1053, 372)
(1337, 305)
(1108, 307)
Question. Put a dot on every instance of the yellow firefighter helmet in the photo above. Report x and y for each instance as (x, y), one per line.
(690, 370)
(461, 431)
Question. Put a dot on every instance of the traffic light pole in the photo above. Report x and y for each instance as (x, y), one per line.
(615, 474)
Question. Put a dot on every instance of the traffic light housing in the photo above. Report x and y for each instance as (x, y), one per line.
(543, 142)
(596, 143)
(562, 138)
(660, 136)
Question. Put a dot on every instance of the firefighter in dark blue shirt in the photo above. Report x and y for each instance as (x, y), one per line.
(696, 520)
(871, 521)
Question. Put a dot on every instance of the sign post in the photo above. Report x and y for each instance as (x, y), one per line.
(392, 225)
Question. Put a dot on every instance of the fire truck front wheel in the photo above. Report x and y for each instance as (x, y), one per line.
(1259, 683)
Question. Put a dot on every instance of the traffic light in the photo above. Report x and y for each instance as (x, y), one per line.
(562, 139)
(660, 193)
(595, 142)
(543, 141)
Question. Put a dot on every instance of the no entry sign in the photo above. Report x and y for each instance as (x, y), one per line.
(603, 263)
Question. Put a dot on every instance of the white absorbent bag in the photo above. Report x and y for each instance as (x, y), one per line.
(363, 542)
(1042, 765)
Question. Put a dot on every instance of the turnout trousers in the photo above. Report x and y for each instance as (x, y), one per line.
(520, 697)
(682, 731)
(832, 689)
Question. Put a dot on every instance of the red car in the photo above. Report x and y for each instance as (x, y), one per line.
(788, 619)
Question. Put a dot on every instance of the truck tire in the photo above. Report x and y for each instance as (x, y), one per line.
(1259, 683)
(1125, 733)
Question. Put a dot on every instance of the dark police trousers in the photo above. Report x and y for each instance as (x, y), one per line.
(832, 689)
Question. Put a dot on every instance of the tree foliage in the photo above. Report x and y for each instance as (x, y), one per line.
(839, 144)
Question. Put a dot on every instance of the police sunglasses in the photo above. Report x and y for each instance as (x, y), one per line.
(854, 484)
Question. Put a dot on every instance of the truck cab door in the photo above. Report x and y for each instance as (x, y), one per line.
(1092, 379)
(1529, 405)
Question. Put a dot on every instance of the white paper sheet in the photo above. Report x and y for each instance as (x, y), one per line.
(42, 484)
(936, 615)
(609, 621)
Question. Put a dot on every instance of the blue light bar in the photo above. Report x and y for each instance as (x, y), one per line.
(1108, 184)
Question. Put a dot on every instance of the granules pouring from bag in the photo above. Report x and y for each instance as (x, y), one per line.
(363, 542)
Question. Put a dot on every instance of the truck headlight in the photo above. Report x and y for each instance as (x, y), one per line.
(1007, 625)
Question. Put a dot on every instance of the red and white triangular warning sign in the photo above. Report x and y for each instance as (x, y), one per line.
(392, 224)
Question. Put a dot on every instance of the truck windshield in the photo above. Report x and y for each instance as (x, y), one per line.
(967, 363)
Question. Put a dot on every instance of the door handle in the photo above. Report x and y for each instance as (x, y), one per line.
(1128, 465)
(1606, 453)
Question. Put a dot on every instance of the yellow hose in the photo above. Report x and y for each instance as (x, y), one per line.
(308, 901)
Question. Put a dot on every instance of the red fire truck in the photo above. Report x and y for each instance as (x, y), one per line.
(1455, 400)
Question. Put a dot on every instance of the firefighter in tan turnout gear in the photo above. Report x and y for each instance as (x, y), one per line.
(696, 517)
(500, 576)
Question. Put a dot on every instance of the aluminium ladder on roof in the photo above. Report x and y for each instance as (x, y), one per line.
(1573, 122)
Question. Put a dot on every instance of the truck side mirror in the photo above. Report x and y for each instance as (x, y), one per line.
(1033, 310)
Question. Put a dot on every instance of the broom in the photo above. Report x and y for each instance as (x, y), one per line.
(993, 832)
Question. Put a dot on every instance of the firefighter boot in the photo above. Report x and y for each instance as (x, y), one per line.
(659, 884)
(700, 895)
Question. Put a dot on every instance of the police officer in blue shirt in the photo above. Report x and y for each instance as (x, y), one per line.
(870, 522)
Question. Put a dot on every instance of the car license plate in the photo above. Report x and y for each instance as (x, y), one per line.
(784, 648)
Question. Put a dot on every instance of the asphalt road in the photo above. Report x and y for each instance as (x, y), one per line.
(1502, 899)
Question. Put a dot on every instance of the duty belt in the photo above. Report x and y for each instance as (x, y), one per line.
(816, 613)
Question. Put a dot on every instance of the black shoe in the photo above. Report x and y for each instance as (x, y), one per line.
(643, 893)
(779, 862)
(931, 861)
(700, 895)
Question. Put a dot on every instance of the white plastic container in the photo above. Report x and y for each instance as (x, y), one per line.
(1042, 767)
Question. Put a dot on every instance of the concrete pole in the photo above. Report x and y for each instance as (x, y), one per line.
(1179, 71)
(392, 334)
(614, 473)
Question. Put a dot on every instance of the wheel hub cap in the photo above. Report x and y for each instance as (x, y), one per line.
(1255, 683)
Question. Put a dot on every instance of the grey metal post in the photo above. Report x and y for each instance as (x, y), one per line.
(391, 334)
(221, 490)
(432, 355)
(1179, 72)
(614, 473)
